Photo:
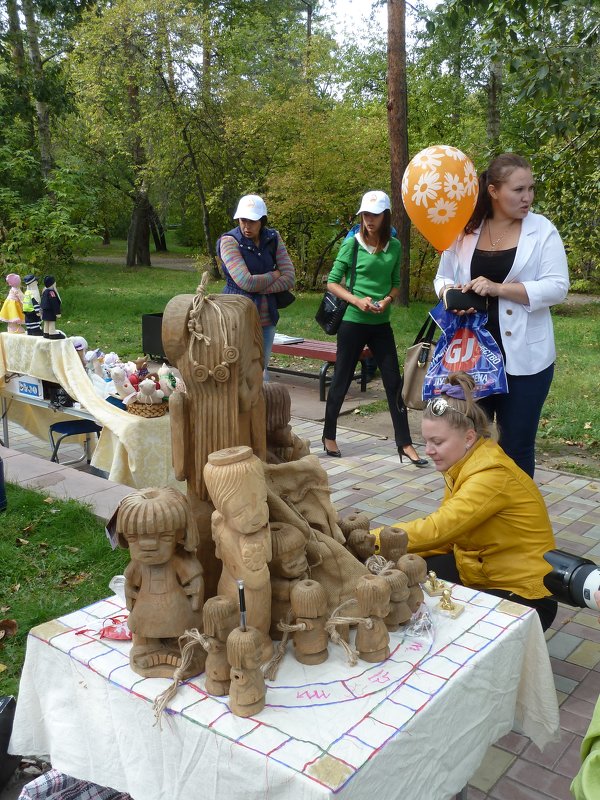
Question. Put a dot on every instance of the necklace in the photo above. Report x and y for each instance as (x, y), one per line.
(494, 243)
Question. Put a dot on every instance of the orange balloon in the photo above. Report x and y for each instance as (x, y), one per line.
(439, 192)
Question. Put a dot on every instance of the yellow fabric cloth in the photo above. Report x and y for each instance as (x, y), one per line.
(496, 520)
(134, 451)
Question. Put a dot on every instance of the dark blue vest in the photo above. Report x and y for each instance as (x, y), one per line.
(259, 261)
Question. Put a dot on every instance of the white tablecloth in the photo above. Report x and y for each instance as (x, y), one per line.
(416, 726)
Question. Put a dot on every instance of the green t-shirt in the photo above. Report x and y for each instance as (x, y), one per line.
(586, 785)
(376, 274)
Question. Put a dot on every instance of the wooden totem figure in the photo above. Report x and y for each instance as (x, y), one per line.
(164, 588)
(415, 569)
(309, 604)
(247, 689)
(393, 543)
(359, 541)
(400, 612)
(282, 443)
(287, 567)
(373, 599)
(216, 343)
(240, 529)
(221, 616)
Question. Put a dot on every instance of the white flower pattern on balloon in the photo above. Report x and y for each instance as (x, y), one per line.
(453, 152)
(426, 188)
(427, 159)
(405, 183)
(470, 179)
(453, 186)
(442, 211)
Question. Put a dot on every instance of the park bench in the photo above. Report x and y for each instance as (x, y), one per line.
(320, 351)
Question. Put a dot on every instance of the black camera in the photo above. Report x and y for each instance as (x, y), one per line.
(573, 580)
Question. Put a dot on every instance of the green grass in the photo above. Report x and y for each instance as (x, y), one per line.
(118, 247)
(55, 559)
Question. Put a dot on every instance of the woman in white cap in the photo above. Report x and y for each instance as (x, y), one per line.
(256, 264)
(367, 319)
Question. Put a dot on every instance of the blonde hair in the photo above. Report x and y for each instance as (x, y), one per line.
(460, 414)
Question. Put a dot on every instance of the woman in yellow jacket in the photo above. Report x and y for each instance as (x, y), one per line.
(492, 528)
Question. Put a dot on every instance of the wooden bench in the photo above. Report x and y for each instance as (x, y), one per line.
(320, 351)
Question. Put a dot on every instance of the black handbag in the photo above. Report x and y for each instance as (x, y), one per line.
(332, 308)
(284, 299)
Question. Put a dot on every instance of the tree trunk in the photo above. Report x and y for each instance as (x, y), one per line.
(105, 236)
(17, 52)
(397, 108)
(494, 90)
(138, 236)
(41, 107)
(158, 231)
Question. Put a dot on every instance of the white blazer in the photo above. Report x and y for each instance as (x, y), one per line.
(541, 266)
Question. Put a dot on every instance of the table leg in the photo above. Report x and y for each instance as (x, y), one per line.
(5, 441)
(323, 380)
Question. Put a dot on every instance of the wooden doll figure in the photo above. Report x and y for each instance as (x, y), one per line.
(282, 443)
(309, 604)
(247, 690)
(373, 598)
(164, 589)
(393, 543)
(240, 528)
(221, 616)
(12, 308)
(359, 541)
(51, 308)
(415, 569)
(288, 565)
(399, 594)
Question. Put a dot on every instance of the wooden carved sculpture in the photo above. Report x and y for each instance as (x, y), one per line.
(221, 616)
(393, 543)
(240, 529)
(287, 567)
(164, 588)
(359, 541)
(215, 341)
(415, 569)
(309, 604)
(373, 599)
(400, 612)
(282, 443)
(247, 690)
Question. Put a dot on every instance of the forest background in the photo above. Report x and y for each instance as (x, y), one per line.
(147, 119)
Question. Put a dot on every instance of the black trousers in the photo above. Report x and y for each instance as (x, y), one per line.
(351, 338)
(444, 567)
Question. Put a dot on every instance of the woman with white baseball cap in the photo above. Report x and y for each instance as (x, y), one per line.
(367, 319)
(256, 264)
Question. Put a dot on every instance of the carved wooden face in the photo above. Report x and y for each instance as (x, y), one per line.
(153, 548)
(292, 564)
(247, 511)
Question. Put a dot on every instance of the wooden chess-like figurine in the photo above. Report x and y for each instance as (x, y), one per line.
(287, 567)
(309, 604)
(221, 616)
(373, 598)
(247, 690)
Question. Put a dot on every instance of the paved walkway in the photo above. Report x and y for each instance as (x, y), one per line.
(369, 477)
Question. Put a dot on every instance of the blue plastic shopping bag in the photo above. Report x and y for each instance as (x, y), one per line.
(465, 345)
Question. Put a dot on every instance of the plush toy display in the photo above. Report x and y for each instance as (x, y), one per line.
(31, 306)
(12, 309)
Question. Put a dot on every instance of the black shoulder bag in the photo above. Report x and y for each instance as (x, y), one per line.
(332, 308)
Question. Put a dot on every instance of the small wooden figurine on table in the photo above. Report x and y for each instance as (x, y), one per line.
(244, 652)
(164, 588)
(287, 567)
(373, 598)
(448, 607)
(393, 543)
(415, 569)
(309, 604)
(220, 616)
(400, 612)
(359, 541)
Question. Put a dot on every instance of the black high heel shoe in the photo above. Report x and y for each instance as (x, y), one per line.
(418, 462)
(333, 453)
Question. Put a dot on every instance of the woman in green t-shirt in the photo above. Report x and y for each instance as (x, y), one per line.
(366, 321)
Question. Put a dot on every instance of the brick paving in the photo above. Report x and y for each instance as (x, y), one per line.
(369, 477)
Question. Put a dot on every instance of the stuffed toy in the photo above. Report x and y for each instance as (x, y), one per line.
(123, 386)
(148, 394)
(12, 309)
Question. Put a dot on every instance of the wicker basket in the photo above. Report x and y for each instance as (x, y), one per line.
(148, 410)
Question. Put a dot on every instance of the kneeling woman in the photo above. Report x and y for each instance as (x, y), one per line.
(492, 529)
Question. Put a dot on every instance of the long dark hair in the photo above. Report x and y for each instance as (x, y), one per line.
(498, 171)
(385, 232)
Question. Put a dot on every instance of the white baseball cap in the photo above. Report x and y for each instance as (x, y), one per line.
(374, 202)
(251, 206)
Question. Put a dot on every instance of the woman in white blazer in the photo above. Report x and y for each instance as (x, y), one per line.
(516, 259)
